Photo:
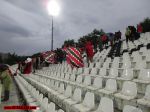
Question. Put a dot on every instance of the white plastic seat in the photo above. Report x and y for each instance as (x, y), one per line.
(97, 84)
(126, 64)
(98, 65)
(67, 93)
(94, 71)
(61, 89)
(62, 76)
(91, 65)
(80, 71)
(76, 98)
(86, 71)
(74, 71)
(115, 63)
(144, 76)
(60, 110)
(45, 103)
(140, 65)
(128, 92)
(67, 76)
(126, 75)
(146, 99)
(110, 88)
(87, 104)
(72, 77)
(106, 105)
(102, 72)
(79, 79)
(51, 107)
(113, 73)
(129, 108)
(87, 80)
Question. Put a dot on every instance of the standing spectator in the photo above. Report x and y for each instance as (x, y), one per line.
(100, 44)
(139, 28)
(5, 76)
(89, 51)
(104, 39)
(127, 34)
(28, 66)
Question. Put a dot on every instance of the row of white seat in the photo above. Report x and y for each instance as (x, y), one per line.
(34, 98)
(73, 102)
(128, 92)
(142, 80)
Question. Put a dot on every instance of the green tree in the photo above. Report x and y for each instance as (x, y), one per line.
(146, 25)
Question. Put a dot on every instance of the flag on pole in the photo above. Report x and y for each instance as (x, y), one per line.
(49, 57)
(74, 57)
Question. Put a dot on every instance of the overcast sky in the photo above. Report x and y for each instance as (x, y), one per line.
(25, 26)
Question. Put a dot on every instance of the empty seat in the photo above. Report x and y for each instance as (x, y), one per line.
(87, 80)
(60, 110)
(61, 88)
(128, 92)
(106, 105)
(146, 99)
(67, 76)
(113, 73)
(126, 75)
(94, 71)
(51, 107)
(72, 77)
(76, 98)
(97, 84)
(87, 104)
(79, 79)
(144, 76)
(103, 72)
(129, 108)
(110, 88)
(86, 71)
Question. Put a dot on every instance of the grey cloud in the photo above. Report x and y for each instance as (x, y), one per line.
(28, 26)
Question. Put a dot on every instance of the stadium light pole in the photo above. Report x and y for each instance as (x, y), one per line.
(53, 10)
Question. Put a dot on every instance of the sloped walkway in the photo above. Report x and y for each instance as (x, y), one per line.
(14, 100)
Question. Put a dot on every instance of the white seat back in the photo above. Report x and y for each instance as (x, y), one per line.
(68, 91)
(79, 79)
(111, 85)
(72, 77)
(97, 82)
(127, 74)
(61, 88)
(106, 105)
(113, 72)
(51, 107)
(144, 74)
(87, 80)
(129, 108)
(94, 71)
(103, 72)
(129, 89)
(89, 100)
(86, 71)
(77, 95)
(147, 93)
(67, 76)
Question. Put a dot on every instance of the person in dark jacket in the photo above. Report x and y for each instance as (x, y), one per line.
(5, 76)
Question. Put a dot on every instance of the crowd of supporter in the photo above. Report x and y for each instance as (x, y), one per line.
(73, 52)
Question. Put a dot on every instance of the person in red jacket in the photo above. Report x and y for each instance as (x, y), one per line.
(89, 51)
(28, 66)
(139, 28)
(104, 39)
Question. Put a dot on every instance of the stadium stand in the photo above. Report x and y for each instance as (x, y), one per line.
(118, 80)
